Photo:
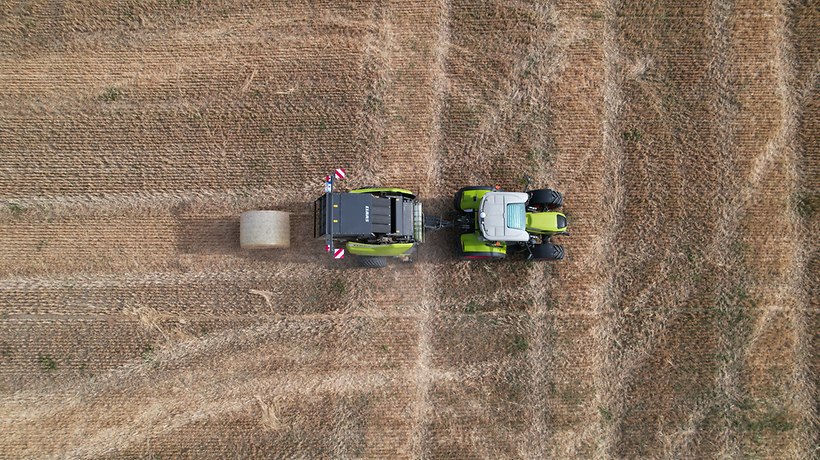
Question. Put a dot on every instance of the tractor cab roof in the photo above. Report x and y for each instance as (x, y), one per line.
(503, 216)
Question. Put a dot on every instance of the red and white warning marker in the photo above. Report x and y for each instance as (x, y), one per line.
(337, 174)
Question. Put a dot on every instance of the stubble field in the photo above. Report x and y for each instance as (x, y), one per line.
(683, 323)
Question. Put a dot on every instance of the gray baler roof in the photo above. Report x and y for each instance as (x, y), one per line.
(362, 214)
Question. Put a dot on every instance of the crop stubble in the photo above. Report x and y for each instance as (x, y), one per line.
(134, 135)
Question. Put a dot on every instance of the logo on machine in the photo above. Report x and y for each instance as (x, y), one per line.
(367, 213)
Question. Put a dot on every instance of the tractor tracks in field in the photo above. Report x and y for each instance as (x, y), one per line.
(740, 323)
(141, 233)
(206, 378)
(606, 361)
(160, 402)
(193, 382)
(150, 202)
(200, 380)
(552, 53)
(616, 365)
(423, 410)
(785, 293)
(621, 353)
(795, 281)
(727, 376)
(540, 357)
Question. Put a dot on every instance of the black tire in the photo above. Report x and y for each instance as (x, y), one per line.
(460, 193)
(548, 251)
(545, 198)
(372, 262)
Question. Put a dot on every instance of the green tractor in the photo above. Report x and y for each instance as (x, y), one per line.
(379, 223)
(494, 223)
(373, 223)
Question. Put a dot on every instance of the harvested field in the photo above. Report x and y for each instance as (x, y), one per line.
(683, 134)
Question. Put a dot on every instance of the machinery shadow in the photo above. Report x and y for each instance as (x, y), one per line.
(439, 244)
(197, 235)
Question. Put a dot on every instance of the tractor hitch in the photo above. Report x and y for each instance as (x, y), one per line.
(436, 223)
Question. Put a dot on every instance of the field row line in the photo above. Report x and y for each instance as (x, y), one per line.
(423, 371)
(106, 280)
(795, 282)
(111, 202)
(608, 384)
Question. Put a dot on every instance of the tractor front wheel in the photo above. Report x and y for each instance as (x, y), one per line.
(545, 198)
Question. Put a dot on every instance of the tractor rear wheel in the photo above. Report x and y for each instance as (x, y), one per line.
(545, 198)
(548, 251)
(372, 262)
(460, 194)
(264, 230)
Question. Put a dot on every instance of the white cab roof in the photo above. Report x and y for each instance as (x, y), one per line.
(493, 216)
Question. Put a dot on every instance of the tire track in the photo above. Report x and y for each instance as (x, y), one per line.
(564, 40)
(38, 207)
(739, 334)
(419, 442)
(99, 433)
(795, 278)
(606, 361)
(570, 156)
(183, 237)
(726, 380)
(204, 396)
(719, 20)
